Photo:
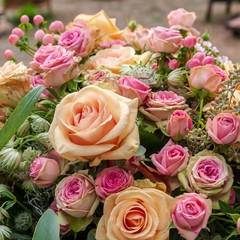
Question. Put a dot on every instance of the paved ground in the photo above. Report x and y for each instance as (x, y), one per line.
(148, 13)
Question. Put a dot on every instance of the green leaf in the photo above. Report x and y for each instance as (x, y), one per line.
(225, 207)
(19, 115)
(141, 151)
(80, 224)
(233, 233)
(217, 237)
(48, 227)
(17, 236)
(91, 234)
(234, 217)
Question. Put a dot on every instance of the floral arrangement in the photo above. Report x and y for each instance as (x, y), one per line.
(113, 134)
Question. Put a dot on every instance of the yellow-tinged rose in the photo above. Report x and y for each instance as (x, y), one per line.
(146, 183)
(95, 124)
(102, 23)
(136, 213)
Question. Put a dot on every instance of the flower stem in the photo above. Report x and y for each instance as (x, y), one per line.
(202, 96)
(25, 208)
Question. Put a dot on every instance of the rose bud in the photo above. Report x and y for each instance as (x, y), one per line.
(38, 19)
(56, 26)
(208, 60)
(76, 196)
(8, 54)
(224, 128)
(44, 171)
(173, 64)
(112, 180)
(13, 39)
(39, 34)
(189, 42)
(193, 63)
(48, 39)
(190, 214)
(18, 31)
(199, 55)
(179, 124)
(24, 19)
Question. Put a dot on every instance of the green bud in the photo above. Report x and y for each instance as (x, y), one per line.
(10, 158)
(28, 186)
(24, 129)
(29, 154)
(206, 36)
(177, 77)
(23, 221)
(44, 140)
(132, 25)
(39, 124)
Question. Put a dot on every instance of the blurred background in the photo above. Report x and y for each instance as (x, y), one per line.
(220, 18)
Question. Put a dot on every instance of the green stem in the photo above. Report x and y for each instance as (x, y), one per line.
(223, 219)
(75, 235)
(161, 63)
(201, 109)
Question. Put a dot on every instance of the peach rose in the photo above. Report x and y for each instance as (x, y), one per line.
(112, 58)
(136, 213)
(95, 124)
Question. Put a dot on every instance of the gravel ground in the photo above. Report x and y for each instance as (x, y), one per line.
(148, 13)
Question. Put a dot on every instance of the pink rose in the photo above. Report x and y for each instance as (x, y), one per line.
(224, 128)
(171, 159)
(78, 40)
(190, 214)
(44, 171)
(76, 196)
(37, 80)
(181, 17)
(208, 77)
(112, 180)
(179, 124)
(160, 105)
(129, 83)
(189, 41)
(163, 39)
(60, 67)
(232, 198)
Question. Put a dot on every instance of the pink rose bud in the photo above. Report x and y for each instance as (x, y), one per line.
(224, 128)
(189, 42)
(8, 54)
(48, 39)
(44, 171)
(232, 198)
(18, 31)
(38, 19)
(112, 180)
(39, 34)
(56, 26)
(154, 65)
(179, 124)
(190, 214)
(200, 56)
(208, 60)
(193, 63)
(24, 19)
(13, 39)
(238, 225)
(171, 159)
(173, 64)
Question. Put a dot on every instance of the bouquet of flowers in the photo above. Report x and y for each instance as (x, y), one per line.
(113, 134)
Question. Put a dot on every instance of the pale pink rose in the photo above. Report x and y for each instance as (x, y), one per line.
(160, 105)
(163, 39)
(78, 40)
(238, 225)
(76, 196)
(171, 159)
(190, 214)
(111, 43)
(18, 31)
(181, 17)
(8, 54)
(179, 124)
(38, 36)
(44, 171)
(112, 180)
(224, 128)
(13, 39)
(24, 19)
(38, 19)
(60, 67)
(112, 58)
(208, 77)
(189, 41)
(48, 39)
(127, 83)
(135, 213)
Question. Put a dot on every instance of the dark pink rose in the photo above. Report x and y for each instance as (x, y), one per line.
(163, 39)
(179, 124)
(171, 159)
(44, 171)
(76, 196)
(78, 40)
(160, 105)
(190, 214)
(127, 83)
(112, 180)
(224, 128)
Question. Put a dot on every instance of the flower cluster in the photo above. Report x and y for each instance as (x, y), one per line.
(123, 134)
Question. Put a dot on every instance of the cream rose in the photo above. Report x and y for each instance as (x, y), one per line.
(135, 213)
(95, 124)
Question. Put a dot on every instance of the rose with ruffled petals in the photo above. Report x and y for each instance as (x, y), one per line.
(76, 196)
(112, 180)
(135, 213)
(224, 128)
(171, 159)
(95, 124)
(208, 173)
(190, 214)
(164, 40)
